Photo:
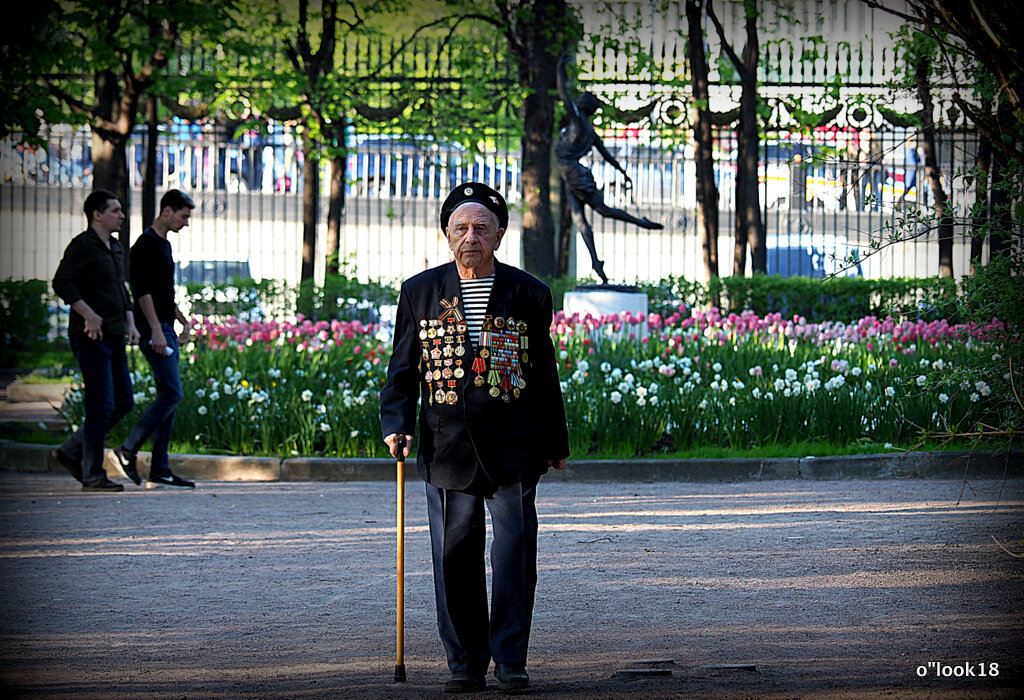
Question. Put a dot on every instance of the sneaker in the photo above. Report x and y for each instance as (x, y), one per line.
(103, 484)
(511, 677)
(463, 682)
(127, 461)
(168, 480)
(73, 465)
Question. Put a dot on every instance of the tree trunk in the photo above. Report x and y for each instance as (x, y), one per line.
(335, 211)
(538, 117)
(707, 190)
(542, 30)
(310, 206)
(149, 173)
(981, 203)
(922, 70)
(749, 226)
(110, 163)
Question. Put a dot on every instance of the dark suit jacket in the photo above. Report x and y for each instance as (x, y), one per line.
(509, 441)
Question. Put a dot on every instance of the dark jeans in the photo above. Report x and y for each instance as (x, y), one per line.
(158, 420)
(108, 399)
(458, 539)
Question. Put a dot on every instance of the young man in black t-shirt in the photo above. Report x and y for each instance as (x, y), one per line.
(151, 277)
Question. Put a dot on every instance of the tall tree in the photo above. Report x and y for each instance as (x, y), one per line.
(707, 190)
(749, 224)
(99, 60)
(538, 31)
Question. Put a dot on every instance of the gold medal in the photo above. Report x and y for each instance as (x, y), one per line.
(439, 395)
(526, 357)
(493, 391)
(460, 350)
(485, 353)
(451, 397)
(499, 322)
(515, 392)
(479, 380)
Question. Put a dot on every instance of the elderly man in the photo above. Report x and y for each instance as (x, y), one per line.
(472, 343)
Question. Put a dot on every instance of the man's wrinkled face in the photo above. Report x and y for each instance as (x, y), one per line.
(473, 236)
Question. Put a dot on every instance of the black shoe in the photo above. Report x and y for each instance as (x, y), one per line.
(463, 682)
(511, 677)
(103, 484)
(73, 465)
(128, 461)
(169, 481)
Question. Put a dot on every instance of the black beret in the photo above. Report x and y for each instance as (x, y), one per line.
(474, 192)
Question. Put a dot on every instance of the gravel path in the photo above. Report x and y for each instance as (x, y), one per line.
(286, 590)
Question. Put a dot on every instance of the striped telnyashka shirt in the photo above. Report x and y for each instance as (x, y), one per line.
(475, 294)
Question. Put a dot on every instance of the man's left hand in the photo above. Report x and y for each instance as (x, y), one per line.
(133, 335)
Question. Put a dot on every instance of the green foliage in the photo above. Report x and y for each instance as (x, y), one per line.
(817, 300)
(25, 313)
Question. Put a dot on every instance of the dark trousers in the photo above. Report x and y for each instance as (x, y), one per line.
(108, 399)
(158, 420)
(458, 540)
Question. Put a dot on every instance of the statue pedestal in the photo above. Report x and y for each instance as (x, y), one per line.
(609, 300)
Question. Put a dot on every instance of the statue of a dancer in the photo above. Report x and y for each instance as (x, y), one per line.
(574, 142)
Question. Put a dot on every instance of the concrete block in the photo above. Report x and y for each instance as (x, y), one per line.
(331, 469)
(225, 468)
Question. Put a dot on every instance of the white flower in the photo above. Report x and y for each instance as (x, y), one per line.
(938, 365)
(703, 404)
(921, 380)
(974, 397)
(641, 401)
(582, 365)
(770, 396)
(641, 392)
(756, 393)
(228, 389)
(629, 378)
(943, 398)
(732, 400)
(855, 371)
(354, 434)
(615, 397)
(867, 386)
(717, 366)
(791, 375)
(307, 395)
(563, 354)
(924, 362)
(653, 400)
(787, 393)
(200, 393)
(653, 388)
(214, 395)
(738, 385)
(201, 410)
(152, 391)
(606, 367)
(624, 387)
(324, 428)
(329, 393)
(779, 385)
(983, 388)
(890, 392)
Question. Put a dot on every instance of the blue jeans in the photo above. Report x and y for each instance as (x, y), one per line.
(158, 420)
(108, 399)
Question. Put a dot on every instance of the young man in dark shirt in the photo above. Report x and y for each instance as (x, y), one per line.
(90, 278)
(152, 282)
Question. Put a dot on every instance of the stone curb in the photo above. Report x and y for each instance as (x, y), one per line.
(989, 464)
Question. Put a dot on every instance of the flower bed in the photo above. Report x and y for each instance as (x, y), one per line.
(702, 379)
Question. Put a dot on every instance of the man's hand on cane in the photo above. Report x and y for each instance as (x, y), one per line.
(392, 442)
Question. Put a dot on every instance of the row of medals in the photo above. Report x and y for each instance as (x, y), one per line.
(444, 346)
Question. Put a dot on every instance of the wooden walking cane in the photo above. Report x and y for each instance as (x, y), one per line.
(400, 613)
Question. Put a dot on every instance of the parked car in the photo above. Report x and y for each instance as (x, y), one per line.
(820, 255)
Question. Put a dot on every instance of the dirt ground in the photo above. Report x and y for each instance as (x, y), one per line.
(287, 590)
